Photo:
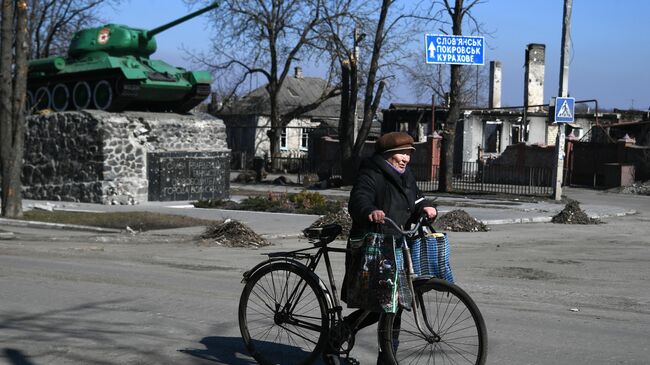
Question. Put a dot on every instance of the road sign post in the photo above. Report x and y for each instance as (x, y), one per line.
(454, 49)
(564, 113)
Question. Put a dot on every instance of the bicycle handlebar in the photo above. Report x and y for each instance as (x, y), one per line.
(411, 232)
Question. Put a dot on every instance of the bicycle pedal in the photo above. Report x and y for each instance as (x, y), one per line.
(332, 359)
(352, 361)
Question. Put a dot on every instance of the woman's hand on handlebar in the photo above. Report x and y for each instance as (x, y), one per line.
(377, 216)
(430, 212)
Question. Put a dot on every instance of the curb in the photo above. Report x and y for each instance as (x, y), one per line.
(7, 235)
(36, 224)
(516, 220)
(282, 236)
(548, 219)
(622, 214)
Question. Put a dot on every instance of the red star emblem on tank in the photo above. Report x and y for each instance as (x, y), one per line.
(103, 36)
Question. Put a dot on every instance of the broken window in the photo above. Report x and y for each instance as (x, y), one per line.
(515, 134)
(492, 135)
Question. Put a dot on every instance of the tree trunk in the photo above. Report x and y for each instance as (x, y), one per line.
(449, 133)
(13, 76)
(349, 92)
(274, 135)
(445, 183)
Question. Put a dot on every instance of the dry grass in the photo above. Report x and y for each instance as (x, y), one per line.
(139, 221)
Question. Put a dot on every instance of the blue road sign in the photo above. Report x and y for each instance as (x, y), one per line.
(565, 110)
(454, 49)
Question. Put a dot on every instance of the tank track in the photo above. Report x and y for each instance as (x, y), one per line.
(195, 97)
(123, 91)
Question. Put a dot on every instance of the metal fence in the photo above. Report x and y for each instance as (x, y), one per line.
(473, 177)
(485, 178)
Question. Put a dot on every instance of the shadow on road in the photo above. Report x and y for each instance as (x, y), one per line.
(231, 350)
(226, 350)
(16, 357)
(82, 336)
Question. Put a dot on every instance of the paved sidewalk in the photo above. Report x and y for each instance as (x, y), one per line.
(489, 210)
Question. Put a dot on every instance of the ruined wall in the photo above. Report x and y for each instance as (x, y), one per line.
(94, 156)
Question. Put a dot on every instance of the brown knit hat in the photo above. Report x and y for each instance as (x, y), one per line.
(394, 141)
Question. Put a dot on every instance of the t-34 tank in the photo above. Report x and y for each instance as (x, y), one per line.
(108, 68)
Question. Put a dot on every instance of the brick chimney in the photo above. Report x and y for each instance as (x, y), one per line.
(534, 78)
(495, 84)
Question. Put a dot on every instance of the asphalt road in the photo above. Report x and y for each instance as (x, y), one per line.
(550, 294)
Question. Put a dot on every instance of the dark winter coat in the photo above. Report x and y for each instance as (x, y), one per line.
(380, 187)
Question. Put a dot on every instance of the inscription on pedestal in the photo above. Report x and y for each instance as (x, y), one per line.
(188, 175)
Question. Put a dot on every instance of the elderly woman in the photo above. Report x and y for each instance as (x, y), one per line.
(385, 187)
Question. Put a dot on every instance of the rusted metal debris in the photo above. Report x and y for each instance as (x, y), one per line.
(232, 233)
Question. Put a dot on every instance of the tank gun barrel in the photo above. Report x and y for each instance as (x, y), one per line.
(162, 28)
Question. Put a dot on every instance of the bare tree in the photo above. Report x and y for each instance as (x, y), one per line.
(457, 13)
(428, 80)
(52, 23)
(14, 45)
(265, 38)
(377, 30)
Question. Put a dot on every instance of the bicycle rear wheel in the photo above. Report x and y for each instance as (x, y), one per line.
(446, 310)
(283, 315)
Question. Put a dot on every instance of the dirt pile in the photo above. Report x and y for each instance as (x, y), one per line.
(342, 218)
(573, 214)
(232, 233)
(455, 221)
(639, 188)
(459, 221)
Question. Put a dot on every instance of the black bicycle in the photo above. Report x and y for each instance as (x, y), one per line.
(288, 315)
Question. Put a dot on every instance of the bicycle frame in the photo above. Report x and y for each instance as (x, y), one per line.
(410, 275)
(334, 305)
(312, 261)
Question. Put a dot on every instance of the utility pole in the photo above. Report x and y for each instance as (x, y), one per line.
(563, 92)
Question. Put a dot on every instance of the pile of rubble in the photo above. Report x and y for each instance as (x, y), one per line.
(342, 218)
(573, 214)
(232, 233)
(639, 188)
(459, 221)
(455, 221)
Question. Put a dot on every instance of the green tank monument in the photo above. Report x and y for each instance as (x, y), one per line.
(109, 68)
(112, 126)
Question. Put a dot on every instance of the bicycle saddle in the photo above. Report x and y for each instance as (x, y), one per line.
(324, 234)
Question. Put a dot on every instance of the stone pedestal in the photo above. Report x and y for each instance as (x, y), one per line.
(100, 157)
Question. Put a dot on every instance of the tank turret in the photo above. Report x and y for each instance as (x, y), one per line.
(109, 68)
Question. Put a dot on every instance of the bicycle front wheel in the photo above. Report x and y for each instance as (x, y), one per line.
(452, 330)
(283, 315)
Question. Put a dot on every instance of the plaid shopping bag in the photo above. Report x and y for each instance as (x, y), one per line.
(375, 274)
(430, 255)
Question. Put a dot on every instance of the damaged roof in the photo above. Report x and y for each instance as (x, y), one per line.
(295, 92)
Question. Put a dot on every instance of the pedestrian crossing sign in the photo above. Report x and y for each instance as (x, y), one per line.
(565, 110)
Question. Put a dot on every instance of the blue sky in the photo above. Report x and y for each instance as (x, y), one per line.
(609, 55)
